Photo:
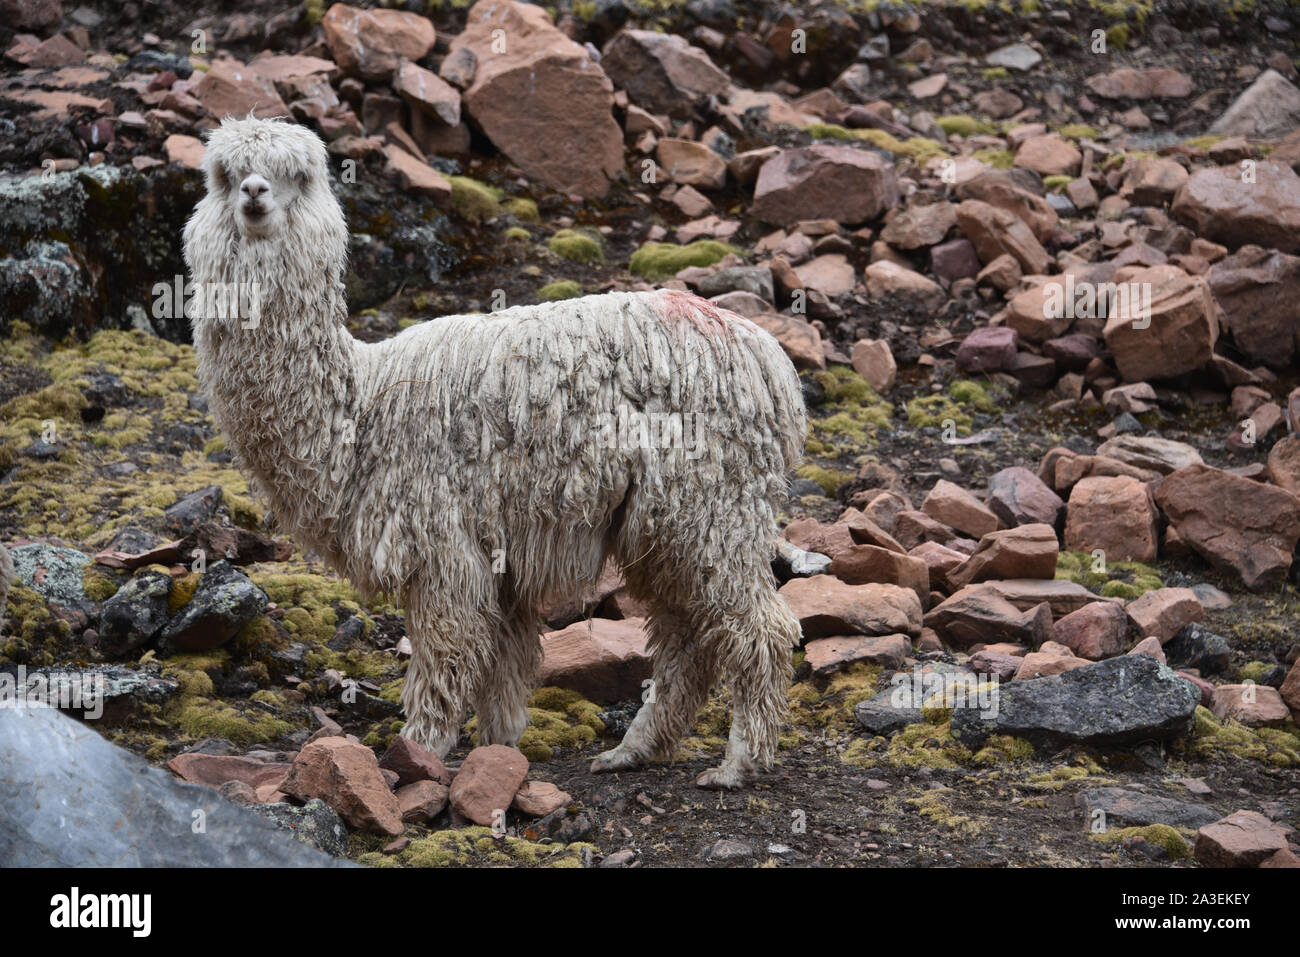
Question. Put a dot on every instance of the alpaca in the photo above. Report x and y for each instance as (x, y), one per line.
(7, 575)
(478, 465)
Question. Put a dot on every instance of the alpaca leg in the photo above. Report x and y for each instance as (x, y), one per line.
(757, 645)
(450, 647)
(683, 674)
(501, 701)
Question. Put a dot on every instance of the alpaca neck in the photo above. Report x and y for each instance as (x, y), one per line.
(285, 392)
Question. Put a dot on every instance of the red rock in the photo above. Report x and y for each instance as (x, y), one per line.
(1097, 630)
(542, 102)
(1049, 155)
(920, 226)
(1153, 181)
(346, 776)
(1002, 189)
(1254, 705)
(1028, 551)
(370, 44)
(831, 274)
(214, 770)
(412, 761)
(692, 163)
(1050, 659)
(886, 278)
(1242, 839)
(186, 150)
(540, 798)
(57, 51)
(995, 232)
(978, 614)
(1114, 514)
(486, 784)
(1002, 666)
(988, 349)
(1258, 289)
(828, 655)
(864, 530)
(826, 606)
(417, 176)
(812, 536)
(1127, 83)
(800, 339)
(428, 92)
(1163, 612)
(911, 528)
(1217, 205)
(956, 507)
(231, 89)
(1019, 497)
(1239, 526)
(602, 659)
(1268, 109)
(874, 361)
(1290, 690)
(662, 72)
(1176, 334)
(862, 564)
(1150, 453)
(940, 560)
(955, 259)
(421, 801)
(1063, 597)
(824, 182)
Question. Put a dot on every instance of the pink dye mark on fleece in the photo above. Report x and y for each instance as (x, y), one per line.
(678, 306)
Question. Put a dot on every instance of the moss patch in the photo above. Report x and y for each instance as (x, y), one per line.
(577, 246)
(656, 261)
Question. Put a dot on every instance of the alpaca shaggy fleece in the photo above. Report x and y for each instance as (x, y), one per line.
(480, 465)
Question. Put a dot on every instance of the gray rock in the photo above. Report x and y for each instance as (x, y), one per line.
(224, 601)
(752, 279)
(315, 824)
(880, 715)
(1125, 808)
(136, 614)
(96, 805)
(53, 572)
(1269, 108)
(1017, 56)
(104, 693)
(1117, 702)
(1195, 646)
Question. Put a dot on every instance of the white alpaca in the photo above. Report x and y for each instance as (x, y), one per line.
(470, 463)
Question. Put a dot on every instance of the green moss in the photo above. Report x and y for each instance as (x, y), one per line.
(918, 148)
(829, 479)
(1202, 142)
(561, 289)
(997, 158)
(522, 209)
(201, 717)
(1003, 749)
(996, 73)
(577, 246)
(558, 719)
(517, 234)
(1161, 834)
(1253, 671)
(1119, 580)
(1117, 36)
(934, 806)
(1212, 738)
(831, 706)
(1079, 131)
(477, 846)
(656, 261)
(1057, 183)
(99, 585)
(960, 125)
(473, 200)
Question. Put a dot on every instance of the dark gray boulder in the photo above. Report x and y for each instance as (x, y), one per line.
(1116, 702)
(68, 798)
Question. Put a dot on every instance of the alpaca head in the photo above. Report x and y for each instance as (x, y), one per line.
(268, 204)
(262, 170)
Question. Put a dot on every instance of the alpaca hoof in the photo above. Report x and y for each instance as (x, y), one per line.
(721, 779)
(615, 759)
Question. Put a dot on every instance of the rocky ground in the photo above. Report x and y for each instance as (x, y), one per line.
(1090, 508)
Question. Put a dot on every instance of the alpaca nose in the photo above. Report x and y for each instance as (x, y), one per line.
(254, 186)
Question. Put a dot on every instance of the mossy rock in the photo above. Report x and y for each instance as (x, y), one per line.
(963, 399)
(1162, 834)
(522, 209)
(577, 246)
(473, 200)
(656, 261)
(561, 289)
(961, 125)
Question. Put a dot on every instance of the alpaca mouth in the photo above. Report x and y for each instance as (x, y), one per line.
(254, 210)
